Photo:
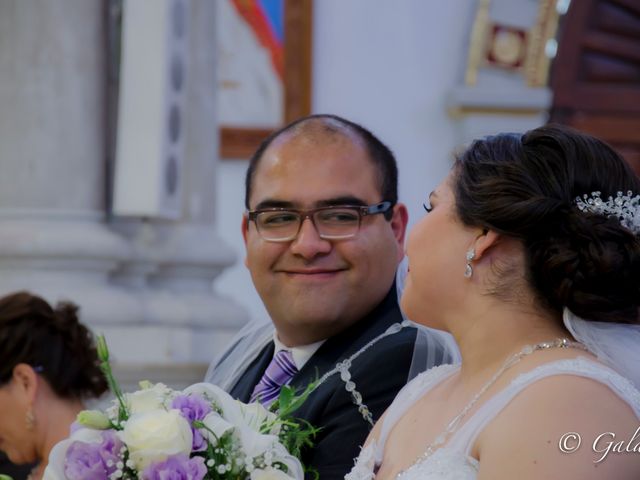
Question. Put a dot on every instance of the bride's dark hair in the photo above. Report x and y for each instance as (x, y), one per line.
(52, 341)
(525, 186)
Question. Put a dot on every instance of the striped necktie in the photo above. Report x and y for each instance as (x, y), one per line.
(278, 373)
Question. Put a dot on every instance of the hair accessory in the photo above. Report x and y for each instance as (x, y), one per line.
(626, 208)
(468, 271)
(30, 419)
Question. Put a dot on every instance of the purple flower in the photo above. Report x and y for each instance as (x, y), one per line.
(93, 461)
(110, 450)
(83, 462)
(176, 467)
(193, 407)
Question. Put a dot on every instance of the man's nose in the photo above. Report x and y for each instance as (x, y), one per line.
(308, 243)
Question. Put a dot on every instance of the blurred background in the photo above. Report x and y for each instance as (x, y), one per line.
(126, 127)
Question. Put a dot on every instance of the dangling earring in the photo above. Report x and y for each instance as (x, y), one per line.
(30, 420)
(468, 271)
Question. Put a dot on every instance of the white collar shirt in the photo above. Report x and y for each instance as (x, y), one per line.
(301, 354)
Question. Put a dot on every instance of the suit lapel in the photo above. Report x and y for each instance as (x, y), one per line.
(335, 349)
(345, 344)
(243, 389)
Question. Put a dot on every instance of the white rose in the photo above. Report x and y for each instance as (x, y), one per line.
(270, 474)
(153, 436)
(147, 399)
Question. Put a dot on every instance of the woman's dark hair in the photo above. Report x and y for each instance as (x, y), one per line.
(525, 186)
(53, 342)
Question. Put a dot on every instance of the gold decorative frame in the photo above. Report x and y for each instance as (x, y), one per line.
(240, 143)
(536, 63)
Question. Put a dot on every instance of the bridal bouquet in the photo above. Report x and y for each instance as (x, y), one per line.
(200, 433)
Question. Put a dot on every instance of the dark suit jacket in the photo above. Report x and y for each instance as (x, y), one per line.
(378, 374)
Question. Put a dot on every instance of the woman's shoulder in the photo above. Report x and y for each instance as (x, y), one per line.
(580, 372)
(568, 412)
(578, 390)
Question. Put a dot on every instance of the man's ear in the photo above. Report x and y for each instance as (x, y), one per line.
(245, 227)
(245, 231)
(399, 222)
(26, 381)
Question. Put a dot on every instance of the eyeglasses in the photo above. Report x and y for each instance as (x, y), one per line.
(331, 223)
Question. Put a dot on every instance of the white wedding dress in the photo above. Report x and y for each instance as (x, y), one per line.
(453, 460)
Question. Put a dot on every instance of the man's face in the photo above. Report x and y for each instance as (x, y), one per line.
(314, 288)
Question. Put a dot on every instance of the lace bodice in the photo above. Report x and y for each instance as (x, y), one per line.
(453, 461)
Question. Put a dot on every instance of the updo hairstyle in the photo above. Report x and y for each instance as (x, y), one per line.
(525, 186)
(53, 342)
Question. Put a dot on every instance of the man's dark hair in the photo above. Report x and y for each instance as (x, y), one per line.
(379, 154)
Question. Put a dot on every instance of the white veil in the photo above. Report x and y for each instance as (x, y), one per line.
(428, 340)
(432, 347)
(615, 344)
(225, 370)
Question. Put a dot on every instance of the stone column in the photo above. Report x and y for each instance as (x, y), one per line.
(53, 238)
(147, 284)
(175, 263)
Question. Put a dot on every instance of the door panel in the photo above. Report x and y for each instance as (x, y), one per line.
(596, 74)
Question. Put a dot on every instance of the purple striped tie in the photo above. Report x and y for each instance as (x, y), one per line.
(278, 373)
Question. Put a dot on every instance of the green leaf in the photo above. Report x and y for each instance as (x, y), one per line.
(295, 433)
(286, 396)
(291, 401)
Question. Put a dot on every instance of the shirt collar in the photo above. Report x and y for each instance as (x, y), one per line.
(301, 354)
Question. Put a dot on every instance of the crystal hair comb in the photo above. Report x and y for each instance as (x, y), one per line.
(626, 208)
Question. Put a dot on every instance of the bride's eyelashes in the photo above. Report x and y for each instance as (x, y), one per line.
(428, 208)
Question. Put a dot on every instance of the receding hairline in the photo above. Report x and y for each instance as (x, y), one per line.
(318, 129)
(323, 129)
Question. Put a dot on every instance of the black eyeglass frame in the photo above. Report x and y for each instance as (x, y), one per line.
(363, 211)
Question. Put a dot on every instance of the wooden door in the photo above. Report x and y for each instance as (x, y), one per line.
(596, 74)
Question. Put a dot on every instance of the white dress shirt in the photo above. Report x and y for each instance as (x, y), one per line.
(301, 354)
